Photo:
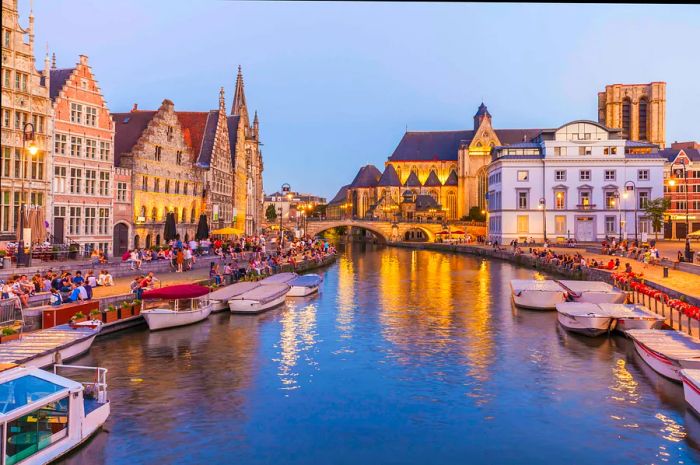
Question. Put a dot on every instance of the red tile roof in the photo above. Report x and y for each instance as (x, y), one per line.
(193, 125)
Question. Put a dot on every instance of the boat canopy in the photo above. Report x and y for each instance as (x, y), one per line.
(227, 292)
(586, 286)
(264, 294)
(535, 285)
(179, 291)
(22, 386)
(308, 280)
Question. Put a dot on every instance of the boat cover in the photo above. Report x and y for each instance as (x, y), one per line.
(629, 311)
(264, 293)
(225, 293)
(178, 291)
(580, 287)
(308, 280)
(279, 278)
(580, 309)
(534, 285)
(672, 344)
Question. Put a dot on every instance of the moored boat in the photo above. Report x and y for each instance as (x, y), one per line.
(259, 299)
(584, 318)
(177, 305)
(592, 291)
(304, 285)
(283, 278)
(667, 352)
(220, 297)
(45, 415)
(537, 294)
(691, 388)
(633, 316)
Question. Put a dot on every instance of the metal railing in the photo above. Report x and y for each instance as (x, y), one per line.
(96, 389)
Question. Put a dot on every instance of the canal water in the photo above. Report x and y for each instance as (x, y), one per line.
(406, 357)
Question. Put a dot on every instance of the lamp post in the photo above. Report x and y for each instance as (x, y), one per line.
(542, 207)
(684, 172)
(27, 136)
(633, 186)
(616, 200)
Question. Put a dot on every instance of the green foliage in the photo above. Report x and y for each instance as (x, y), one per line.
(8, 331)
(655, 210)
(476, 215)
(94, 312)
(271, 212)
(78, 316)
(111, 308)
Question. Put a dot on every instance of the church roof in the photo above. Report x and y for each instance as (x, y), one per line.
(340, 196)
(451, 179)
(482, 110)
(426, 202)
(368, 176)
(239, 94)
(432, 180)
(199, 132)
(389, 178)
(232, 122)
(58, 79)
(128, 127)
(444, 145)
(412, 180)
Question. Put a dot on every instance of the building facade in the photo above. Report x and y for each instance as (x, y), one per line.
(638, 109)
(291, 204)
(246, 157)
(26, 108)
(123, 212)
(582, 181)
(164, 177)
(83, 159)
(683, 215)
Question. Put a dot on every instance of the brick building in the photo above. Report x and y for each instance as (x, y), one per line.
(685, 200)
(83, 162)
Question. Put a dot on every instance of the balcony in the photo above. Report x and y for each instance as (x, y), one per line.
(586, 207)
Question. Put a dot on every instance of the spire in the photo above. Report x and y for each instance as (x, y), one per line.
(239, 94)
(53, 60)
(30, 30)
(256, 125)
(481, 114)
(222, 103)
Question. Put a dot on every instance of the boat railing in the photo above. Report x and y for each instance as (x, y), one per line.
(94, 389)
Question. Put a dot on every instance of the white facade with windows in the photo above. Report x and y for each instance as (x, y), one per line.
(581, 181)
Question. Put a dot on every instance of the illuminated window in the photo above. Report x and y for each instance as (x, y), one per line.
(523, 175)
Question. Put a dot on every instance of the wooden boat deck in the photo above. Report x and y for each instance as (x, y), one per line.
(671, 344)
(42, 342)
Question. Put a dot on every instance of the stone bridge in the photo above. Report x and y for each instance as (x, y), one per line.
(388, 231)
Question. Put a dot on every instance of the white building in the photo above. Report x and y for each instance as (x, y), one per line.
(581, 181)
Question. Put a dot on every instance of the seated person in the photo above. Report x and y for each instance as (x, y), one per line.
(55, 298)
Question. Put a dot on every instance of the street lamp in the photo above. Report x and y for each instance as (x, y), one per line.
(633, 186)
(616, 201)
(27, 136)
(542, 207)
(672, 182)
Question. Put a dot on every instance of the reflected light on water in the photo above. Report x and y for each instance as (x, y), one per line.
(297, 339)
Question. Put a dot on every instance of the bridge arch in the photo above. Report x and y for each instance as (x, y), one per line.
(379, 231)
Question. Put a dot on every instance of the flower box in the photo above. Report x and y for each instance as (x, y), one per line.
(8, 338)
(125, 312)
(110, 316)
(136, 309)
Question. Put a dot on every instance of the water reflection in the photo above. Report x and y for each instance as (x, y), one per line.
(407, 357)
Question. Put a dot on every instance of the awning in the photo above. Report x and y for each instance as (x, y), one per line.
(227, 231)
(179, 291)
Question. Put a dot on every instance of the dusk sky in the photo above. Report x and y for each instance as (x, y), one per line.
(336, 84)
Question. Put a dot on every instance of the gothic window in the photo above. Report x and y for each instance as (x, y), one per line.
(626, 111)
(154, 214)
(643, 119)
(158, 151)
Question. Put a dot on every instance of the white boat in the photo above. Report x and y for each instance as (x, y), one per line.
(584, 318)
(304, 285)
(48, 346)
(179, 305)
(537, 294)
(259, 299)
(633, 316)
(283, 278)
(691, 388)
(667, 352)
(220, 297)
(592, 291)
(44, 416)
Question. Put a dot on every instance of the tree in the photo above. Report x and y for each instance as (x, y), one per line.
(475, 214)
(319, 211)
(655, 210)
(271, 213)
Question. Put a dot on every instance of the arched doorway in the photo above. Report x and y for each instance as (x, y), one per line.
(120, 242)
(137, 241)
(158, 239)
(415, 235)
(148, 241)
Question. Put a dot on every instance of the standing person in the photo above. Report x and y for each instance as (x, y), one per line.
(188, 258)
(179, 260)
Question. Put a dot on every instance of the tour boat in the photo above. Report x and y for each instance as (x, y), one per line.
(180, 305)
(633, 316)
(48, 346)
(667, 352)
(259, 299)
(585, 318)
(537, 294)
(691, 388)
(44, 415)
(592, 291)
(220, 297)
(304, 285)
(283, 278)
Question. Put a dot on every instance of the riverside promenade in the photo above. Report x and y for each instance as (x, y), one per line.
(678, 284)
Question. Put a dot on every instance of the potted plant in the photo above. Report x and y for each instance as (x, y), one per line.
(8, 334)
(78, 318)
(110, 315)
(136, 307)
(125, 310)
(95, 314)
(73, 251)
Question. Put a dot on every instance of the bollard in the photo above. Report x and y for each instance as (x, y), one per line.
(665, 272)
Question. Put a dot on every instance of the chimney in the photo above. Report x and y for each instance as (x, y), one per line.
(136, 107)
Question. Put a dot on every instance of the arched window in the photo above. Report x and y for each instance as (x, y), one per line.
(158, 239)
(137, 241)
(643, 118)
(626, 119)
(483, 185)
(451, 205)
(154, 214)
(183, 218)
(148, 241)
(143, 211)
(192, 216)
